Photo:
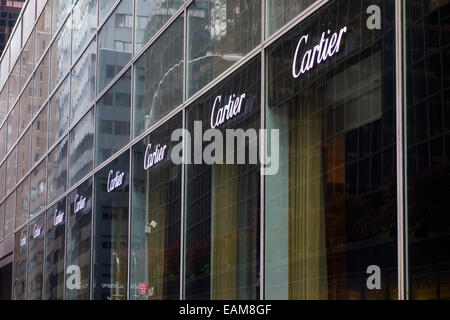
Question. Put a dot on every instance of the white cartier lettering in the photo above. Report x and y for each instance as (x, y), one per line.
(58, 218)
(36, 231)
(114, 182)
(327, 47)
(226, 113)
(23, 240)
(155, 157)
(80, 203)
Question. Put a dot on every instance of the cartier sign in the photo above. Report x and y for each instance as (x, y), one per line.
(328, 46)
(115, 180)
(58, 218)
(153, 157)
(233, 108)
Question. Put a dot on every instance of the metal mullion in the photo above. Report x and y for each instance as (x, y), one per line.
(262, 151)
(44, 213)
(130, 187)
(66, 231)
(400, 128)
(185, 53)
(91, 265)
(183, 211)
(13, 289)
(183, 164)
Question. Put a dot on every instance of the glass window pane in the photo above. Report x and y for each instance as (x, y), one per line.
(151, 15)
(26, 106)
(427, 148)
(41, 83)
(11, 170)
(84, 24)
(81, 154)
(16, 42)
(79, 240)
(13, 127)
(57, 171)
(60, 9)
(40, 6)
(38, 190)
(27, 61)
(156, 219)
(113, 119)
(83, 82)
(29, 17)
(4, 66)
(23, 155)
(111, 230)
(219, 34)
(158, 78)
(43, 30)
(61, 54)
(280, 12)
(54, 252)
(10, 214)
(39, 136)
(59, 112)
(35, 275)
(223, 200)
(331, 208)
(104, 7)
(2, 220)
(20, 264)
(14, 83)
(3, 103)
(3, 135)
(2, 181)
(114, 43)
(23, 202)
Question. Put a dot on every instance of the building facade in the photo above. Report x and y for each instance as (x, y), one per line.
(338, 117)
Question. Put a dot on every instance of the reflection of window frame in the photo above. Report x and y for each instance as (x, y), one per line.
(123, 20)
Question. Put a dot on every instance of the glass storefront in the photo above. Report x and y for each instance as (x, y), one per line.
(20, 264)
(35, 276)
(55, 251)
(223, 200)
(110, 262)
(227, 150)
(331, 210)
(155, 217)
(428, 148)
(79, 242)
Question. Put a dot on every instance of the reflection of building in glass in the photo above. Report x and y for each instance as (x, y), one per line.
(9, 12)
(356, 208)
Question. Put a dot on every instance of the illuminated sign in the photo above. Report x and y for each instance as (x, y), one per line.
(115, 181)
(153, 158)
(58, 218)
(23, 240)
(328, 46)
(80, 203)
(36, 231)
(227, 112)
